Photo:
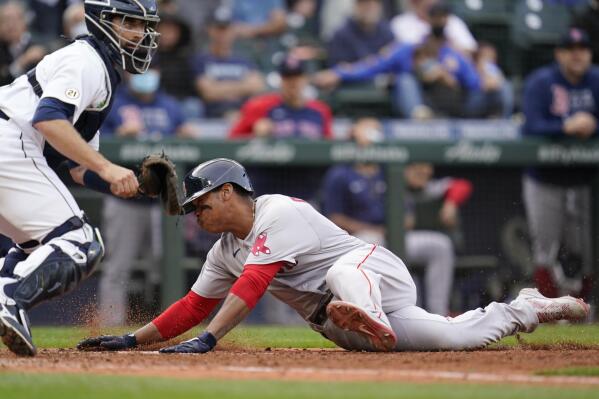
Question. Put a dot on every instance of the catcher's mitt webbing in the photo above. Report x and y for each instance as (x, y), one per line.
(157, 177)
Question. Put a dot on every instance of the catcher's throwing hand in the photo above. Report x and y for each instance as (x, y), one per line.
(108, 342)
(122, 180)
(202, 344)
(157, 177)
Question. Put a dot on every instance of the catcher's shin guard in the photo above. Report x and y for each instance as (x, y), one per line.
(59, 273)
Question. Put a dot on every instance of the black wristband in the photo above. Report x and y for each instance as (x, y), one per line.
(208, 339)
(130, 340)
(95, 182)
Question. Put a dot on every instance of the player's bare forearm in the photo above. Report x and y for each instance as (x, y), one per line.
(65, 139)
(148, 334)
(234, 310)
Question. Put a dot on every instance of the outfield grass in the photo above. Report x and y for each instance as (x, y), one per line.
(245, 336)
(15, 386)
(61, 386)
(303, 337)
(583, 334)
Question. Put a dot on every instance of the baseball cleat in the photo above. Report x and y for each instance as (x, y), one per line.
(350, 317)
(14, 331)
(554, 309)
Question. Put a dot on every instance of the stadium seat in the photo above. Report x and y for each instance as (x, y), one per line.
(489, 21)
(361, 99)
(483, 11)
(537, 27)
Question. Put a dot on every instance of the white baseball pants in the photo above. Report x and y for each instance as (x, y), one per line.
(378, 281)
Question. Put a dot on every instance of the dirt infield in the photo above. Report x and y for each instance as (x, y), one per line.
(511, 365)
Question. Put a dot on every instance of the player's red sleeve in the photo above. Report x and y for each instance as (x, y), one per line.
(254, 281)
(327, 118)
(459, 191)
(184, 314)
(252, 111)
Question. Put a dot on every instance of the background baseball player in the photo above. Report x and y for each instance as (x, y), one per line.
(359, 295)
(52, 113)
(562, 100)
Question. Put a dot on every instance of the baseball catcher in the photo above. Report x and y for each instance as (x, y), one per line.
(358, 295)
(50, 115)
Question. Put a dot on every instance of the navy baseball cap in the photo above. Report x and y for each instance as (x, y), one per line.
(574, 37)
(221, 16)
(291, 66)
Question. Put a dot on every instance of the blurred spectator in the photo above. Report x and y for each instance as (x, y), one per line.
(363, 34)
(334, 13)
(302, 18)
(224, 80)
(587, 19)
(259, 19)
(414, 25)
(562, 100)
(493, 81)
(354, 198)
(73, 21)
(174, 57)
(302, 36)
(19, 50)
(47, 16)
(133, 227)
(431, 77)
(287, 114)
(195, 13)
(73, 25)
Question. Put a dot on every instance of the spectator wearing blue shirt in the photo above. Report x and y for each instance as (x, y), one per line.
(431, 77)
(259, 19)
(222, 79)
(143, 112)
(562, 100)
(363, 34)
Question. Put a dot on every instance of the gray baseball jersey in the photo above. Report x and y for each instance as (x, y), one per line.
(285, 229)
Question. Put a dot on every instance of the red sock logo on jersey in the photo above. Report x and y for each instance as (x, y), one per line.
(259, 245)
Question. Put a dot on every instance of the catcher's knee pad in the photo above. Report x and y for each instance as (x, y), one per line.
(65, 266)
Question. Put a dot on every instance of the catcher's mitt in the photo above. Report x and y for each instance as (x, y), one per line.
(157, 177)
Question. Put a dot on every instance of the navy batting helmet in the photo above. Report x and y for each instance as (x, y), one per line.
(134, 57)
(210, 175)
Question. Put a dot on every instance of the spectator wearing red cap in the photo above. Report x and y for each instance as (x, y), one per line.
(286, 114)
(562, 100)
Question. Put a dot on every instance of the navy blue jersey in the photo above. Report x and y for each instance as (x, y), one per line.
(222, 69)
(349, 193)
(351, 43)
(312, 121)
(548, 100)
(160, 117)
